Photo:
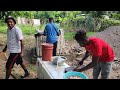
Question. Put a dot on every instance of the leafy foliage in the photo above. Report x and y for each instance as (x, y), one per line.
(107, 23)
(69, 20)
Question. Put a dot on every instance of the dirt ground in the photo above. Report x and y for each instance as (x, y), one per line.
(71, 51)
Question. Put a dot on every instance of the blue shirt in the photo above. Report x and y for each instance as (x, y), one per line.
(51, 33)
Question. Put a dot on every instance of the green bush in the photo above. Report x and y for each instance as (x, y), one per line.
(107, 23)
(79, 21)
(115, 16)
(72, 24)
(89, 23)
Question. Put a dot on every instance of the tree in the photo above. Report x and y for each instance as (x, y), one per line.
(3, 14)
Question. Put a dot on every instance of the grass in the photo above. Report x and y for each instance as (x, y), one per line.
(3, 29)
(69, 35)
(90, 33)
(29, 30)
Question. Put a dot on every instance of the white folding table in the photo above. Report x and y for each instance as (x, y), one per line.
(47, 70)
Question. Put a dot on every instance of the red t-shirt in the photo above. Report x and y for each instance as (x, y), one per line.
(98, 47)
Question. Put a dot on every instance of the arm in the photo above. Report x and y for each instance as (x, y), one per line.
(22, 48)
(90, 65)
(57, 29)
(45, 31)
(20, 38)
(85, 56)
(81, 62)
(4, 50)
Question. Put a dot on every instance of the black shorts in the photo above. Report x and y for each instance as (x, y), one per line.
(13, 58)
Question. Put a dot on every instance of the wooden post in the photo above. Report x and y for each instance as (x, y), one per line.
(61, 42)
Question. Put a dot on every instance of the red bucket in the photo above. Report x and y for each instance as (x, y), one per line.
(47, 51)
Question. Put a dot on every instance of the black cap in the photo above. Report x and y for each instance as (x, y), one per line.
(10, 17)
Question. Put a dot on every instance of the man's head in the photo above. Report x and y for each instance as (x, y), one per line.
(81, 38)
(10, 21)
(50, 19)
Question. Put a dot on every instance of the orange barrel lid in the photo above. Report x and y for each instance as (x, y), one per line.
(47, 44)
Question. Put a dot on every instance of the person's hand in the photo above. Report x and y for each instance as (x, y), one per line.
(21, 54)
(4, 50)
(69, 69)
(78, 70)
(81, 63)
(75, 69)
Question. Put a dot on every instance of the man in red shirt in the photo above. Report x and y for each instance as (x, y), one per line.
(102, 55)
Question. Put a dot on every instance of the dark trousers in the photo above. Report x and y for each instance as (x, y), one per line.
(13, 58)
(54, 48)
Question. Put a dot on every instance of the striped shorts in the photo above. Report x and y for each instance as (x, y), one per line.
(13, 58)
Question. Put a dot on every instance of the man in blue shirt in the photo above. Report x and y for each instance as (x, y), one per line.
(51, 31)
